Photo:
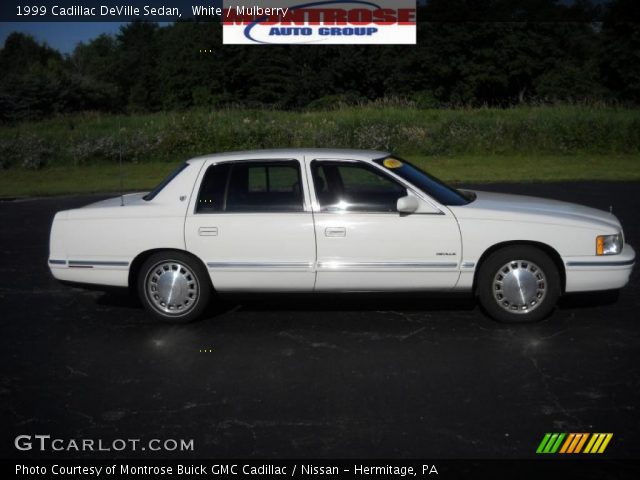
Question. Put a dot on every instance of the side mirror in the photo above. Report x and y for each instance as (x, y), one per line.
(408, 204)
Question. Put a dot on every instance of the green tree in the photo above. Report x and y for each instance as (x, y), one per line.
(620, 57)
(135, 72)
(97, 59)
(189, 70)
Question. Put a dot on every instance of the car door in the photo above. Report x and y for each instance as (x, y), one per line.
(364, 244)
(252, 225)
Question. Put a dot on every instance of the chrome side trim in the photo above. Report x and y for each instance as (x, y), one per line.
(57, 262)
(384, 265)
(621, 263)
(96, 263)
(354, 212)
(468, 265)
(261, 265)
(329, 265)
(265, 212)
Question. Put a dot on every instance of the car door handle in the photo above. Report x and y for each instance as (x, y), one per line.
(335, 232)
(208, 231)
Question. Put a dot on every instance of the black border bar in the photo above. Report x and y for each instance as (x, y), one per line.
(583, 468)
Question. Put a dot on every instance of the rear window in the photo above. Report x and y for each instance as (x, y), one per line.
(152, 194)
(247, 187)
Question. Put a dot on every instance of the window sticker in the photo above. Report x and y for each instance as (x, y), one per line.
(392, 163)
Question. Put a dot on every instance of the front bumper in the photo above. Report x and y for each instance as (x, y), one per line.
(588, 274)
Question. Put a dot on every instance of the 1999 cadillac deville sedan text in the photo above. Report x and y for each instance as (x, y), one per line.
(335, 221)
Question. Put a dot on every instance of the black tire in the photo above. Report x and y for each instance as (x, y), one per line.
(499, 283)
(193, 287)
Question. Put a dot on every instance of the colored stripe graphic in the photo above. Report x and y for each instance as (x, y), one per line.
(567, 443)
(543, 443)
(573, 443)
(598, 443)
(577, 442)
(581, 442)
(550, 443)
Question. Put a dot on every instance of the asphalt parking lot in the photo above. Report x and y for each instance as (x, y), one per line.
(364, 376)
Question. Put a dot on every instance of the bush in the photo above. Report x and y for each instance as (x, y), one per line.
(27, 151)
(335, 102)
(171, 137)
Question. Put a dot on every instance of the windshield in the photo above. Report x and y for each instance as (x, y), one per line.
(429, 184)
(152, 194)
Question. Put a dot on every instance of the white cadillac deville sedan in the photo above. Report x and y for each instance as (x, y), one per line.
(335, 221)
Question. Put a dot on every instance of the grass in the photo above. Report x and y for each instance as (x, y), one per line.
(461, 169)
(79, 153)
(17, 182)
(533, 168)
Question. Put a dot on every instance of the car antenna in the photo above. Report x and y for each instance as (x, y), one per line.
(120, 173)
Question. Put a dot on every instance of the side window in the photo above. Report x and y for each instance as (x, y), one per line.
(354, 187)
(213, 188)
(251, 187)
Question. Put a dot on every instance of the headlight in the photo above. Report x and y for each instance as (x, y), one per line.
(609, 244)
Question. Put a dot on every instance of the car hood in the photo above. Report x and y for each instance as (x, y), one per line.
(513, 207)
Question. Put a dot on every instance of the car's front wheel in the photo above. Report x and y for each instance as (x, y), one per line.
(174, 287)
(518, 284)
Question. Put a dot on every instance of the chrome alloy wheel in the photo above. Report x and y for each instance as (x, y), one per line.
(172, 288)
(519, 286)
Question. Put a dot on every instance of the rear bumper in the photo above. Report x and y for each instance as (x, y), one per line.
(588, 274)
(111, 273)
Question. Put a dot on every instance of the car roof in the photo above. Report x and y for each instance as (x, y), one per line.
(272, 154)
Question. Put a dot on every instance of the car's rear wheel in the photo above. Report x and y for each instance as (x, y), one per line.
(174, 287)
(518, 284)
